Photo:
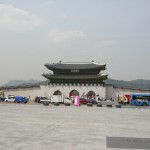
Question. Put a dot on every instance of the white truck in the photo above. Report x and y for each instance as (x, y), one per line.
(57, 99)
(60, 99)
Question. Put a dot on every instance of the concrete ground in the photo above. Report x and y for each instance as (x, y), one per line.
(38, 127)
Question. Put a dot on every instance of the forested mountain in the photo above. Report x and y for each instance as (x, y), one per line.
(140, 83)
(20, 82)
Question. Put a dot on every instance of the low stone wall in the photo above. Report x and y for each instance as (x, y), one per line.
(27, 92)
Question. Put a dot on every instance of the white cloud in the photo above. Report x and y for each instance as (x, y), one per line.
(106, 44)
(63, 36)
(17, 19)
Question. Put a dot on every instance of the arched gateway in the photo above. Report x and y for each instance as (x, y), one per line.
(74, 93)
(57, 92)
(91, 94)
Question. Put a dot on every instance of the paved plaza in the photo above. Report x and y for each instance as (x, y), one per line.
(39, 127)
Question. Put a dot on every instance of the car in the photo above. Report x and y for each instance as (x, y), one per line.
(39, 99)
(83, 101)
(44, 99)
(10, 98)
(67, 100)
(93, 101)
(2, 99)
(21, 99)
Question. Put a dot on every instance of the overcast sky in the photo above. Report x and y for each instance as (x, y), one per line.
(36, 32)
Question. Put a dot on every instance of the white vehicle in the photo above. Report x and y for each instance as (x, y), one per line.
(44, 99)
(67, 100)
(10, 98)
(57, 99)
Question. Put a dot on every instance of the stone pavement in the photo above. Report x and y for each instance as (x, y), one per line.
(38, 127)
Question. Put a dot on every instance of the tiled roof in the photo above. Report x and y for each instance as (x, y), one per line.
(61, 65)
(99, 76)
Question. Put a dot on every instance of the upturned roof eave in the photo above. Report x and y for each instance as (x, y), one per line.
(51, 76)
(70, 66)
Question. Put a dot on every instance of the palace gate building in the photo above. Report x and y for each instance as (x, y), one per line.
(83, 79)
